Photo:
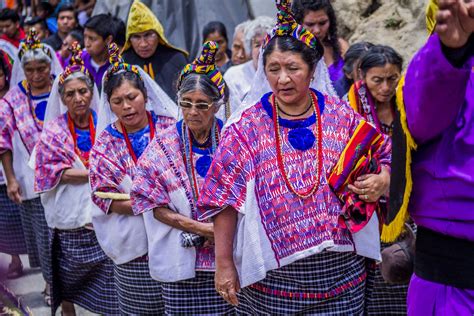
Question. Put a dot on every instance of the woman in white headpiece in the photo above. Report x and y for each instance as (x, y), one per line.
(166, 188)
(288, 234)
(22, 112)
(133, 110)
(240, 78)
(83, 274)
(12, 239)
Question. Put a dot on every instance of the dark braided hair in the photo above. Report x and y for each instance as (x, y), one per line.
(301, 7)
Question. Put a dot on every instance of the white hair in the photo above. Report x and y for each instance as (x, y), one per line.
(241, 27)
(35, 54)
(261, 25)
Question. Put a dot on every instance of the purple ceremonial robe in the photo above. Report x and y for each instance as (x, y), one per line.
(96, 74)
(439, 100)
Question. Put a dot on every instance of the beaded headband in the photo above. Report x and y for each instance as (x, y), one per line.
(205, 64)
(287, 25)
(32, 42)
(117, 64)
(75, 64)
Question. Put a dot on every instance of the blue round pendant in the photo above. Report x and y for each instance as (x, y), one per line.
(203, 164)
(301, 138)
(40, 110)
(84, 142)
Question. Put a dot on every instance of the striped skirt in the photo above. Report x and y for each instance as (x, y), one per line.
(195, 296)
(37, 236)
(138, 293)
(328, 283)
(382, 298)
(12, 239)
(83, 274)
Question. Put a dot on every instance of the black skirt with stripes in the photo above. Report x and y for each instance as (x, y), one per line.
(83, 274)
(382, 298)
(195, 296)
(138, 293)
(328, 283)
(37, 236)
(12, 238)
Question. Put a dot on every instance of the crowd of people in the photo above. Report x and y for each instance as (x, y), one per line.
(283, 172)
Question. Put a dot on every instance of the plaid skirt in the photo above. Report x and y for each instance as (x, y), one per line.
(138, 293)
(83, 274)
(12, 239)
(382, 298)
(37, 236)
(328, 283)
(195, 296)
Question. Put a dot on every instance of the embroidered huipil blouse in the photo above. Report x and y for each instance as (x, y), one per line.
(276, 227)
(21, 123)
(112, 169)
(162, 180)
(67, 206)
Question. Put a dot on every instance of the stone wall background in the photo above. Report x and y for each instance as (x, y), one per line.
(398, 23)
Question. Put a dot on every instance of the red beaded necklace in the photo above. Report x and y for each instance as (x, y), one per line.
(279, 149)
(127, 139)
(84, 158)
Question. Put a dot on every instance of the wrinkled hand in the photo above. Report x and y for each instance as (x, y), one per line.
(227, 283)
(14, 191)
(455, 22)
(207, 230)
(370, 187)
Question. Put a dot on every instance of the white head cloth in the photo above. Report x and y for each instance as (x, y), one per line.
(56, 107)
(19, 75)
(157, 101)
(260, 86)
(8, 48)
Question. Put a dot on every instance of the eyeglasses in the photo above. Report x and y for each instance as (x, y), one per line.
(201, 106)
(148, 37)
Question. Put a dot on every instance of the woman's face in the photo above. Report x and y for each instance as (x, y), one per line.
(382, 82)
(317, 22)
(145, 43)
(77, 97)
(257, 42)
(129, 105)
(289, 76)
(198, 120)
(221, 42)
(239, 56)
(37, 74)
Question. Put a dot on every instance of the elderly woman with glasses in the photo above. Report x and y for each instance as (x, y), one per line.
(168, 181)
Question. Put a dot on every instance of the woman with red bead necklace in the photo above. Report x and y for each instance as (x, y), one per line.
(289, 235)
(22, 111)
(167, 184)
(83, 274)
